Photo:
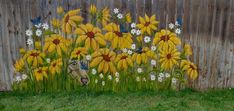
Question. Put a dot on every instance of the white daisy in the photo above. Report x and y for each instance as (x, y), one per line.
(167, 75)
(174, 80)
(94, 71)
(129, 52)
(18, 79)
(177, 23)
(101, 75)
(38, 32)
(30, 42)
(139, 70)
(109, 77)
(147, 39)
(133, 31)
(24, 76)
(160, 79)
(161, 75)
(178, 31)
(116, 10)
(133, 25)
(152, 77)
(117, 79)
(96, 81)
(153, 62)
(38, 25)
(137, 79)
(171, 26)
(28, 32)
(133, 46)
(103, 83)
(88, 57)
(116, 74)
(125, 50)
(45, 26)
(120, 16)
(48, 60)
(153, 48)
(138, 32)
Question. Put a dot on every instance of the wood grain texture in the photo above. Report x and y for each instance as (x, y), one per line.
(208, 25)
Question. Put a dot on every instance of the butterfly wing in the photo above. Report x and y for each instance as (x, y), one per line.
(83, 65)
(36, 21)
(179, 20)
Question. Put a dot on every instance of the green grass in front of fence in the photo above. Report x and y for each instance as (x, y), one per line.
(213, 100)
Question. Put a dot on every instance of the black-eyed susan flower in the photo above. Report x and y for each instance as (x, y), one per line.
(166, 39)
(104, 16)
(55, 43)
(55, 66)
(34, 57)
(187, 49)
(128, 18)
(79, 52)
(147, 24)
(169, 57)
(93, 10)
(40, 73)
(104, 58)
(142, 55)
(123, 61)
(55, 23)
(190, 68)
(19, 65)
(91, 36)
(118, 39)
(70, 20)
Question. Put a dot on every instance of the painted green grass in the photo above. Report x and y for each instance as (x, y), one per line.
(189, 100)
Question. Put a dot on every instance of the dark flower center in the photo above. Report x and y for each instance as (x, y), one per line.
(54, 65)
(34, 54)
(124, 57)
(147, 24)
(56, 41)
(90, 34)
(192, 67)
(165, 37)
(106, 58)
(78, 52)
(119, 34)
(168, 56)
(67, 19)
(39, 71)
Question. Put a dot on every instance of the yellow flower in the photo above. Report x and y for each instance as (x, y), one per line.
(166, 39)
(40, 73)
(55, 43)
(142, 55)
(188, 49)
(104, 59)
(38, 45)
(55, 66)
(34, 57)
(60, 10)
(104, 16)
(70, 20)
(55, 23)
(22, 51)
(123, 61)
(19, 65)
(190, 68)
(128, 18)
(92, 36)
(78, 53)
(169, 57)
(93, 10)
(117, 38)
(148, 24)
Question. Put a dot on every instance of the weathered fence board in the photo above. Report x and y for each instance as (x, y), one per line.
(208, 25)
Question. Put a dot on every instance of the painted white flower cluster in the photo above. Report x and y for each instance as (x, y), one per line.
(19, 78)
(134, 30)
(119, 15)
(175, 27)
(128, 51)
(101, 77)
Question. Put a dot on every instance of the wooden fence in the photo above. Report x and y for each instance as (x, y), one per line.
(208, 25)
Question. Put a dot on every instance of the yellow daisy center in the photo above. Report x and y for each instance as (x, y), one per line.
(169, 56)
(78, 52)
(147, 24)
(192, 67)
(119, 34)
(66, 18)
(34, 54)
(56, 41)
(39, 71)
(123, 57)
(90, 34)
(106, 58)
(54, 64)
(165, 37)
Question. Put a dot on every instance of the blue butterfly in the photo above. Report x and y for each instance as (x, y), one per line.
(123, 29)
(179, 21)
(83, 65)
(36, 21)
(139, 50)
